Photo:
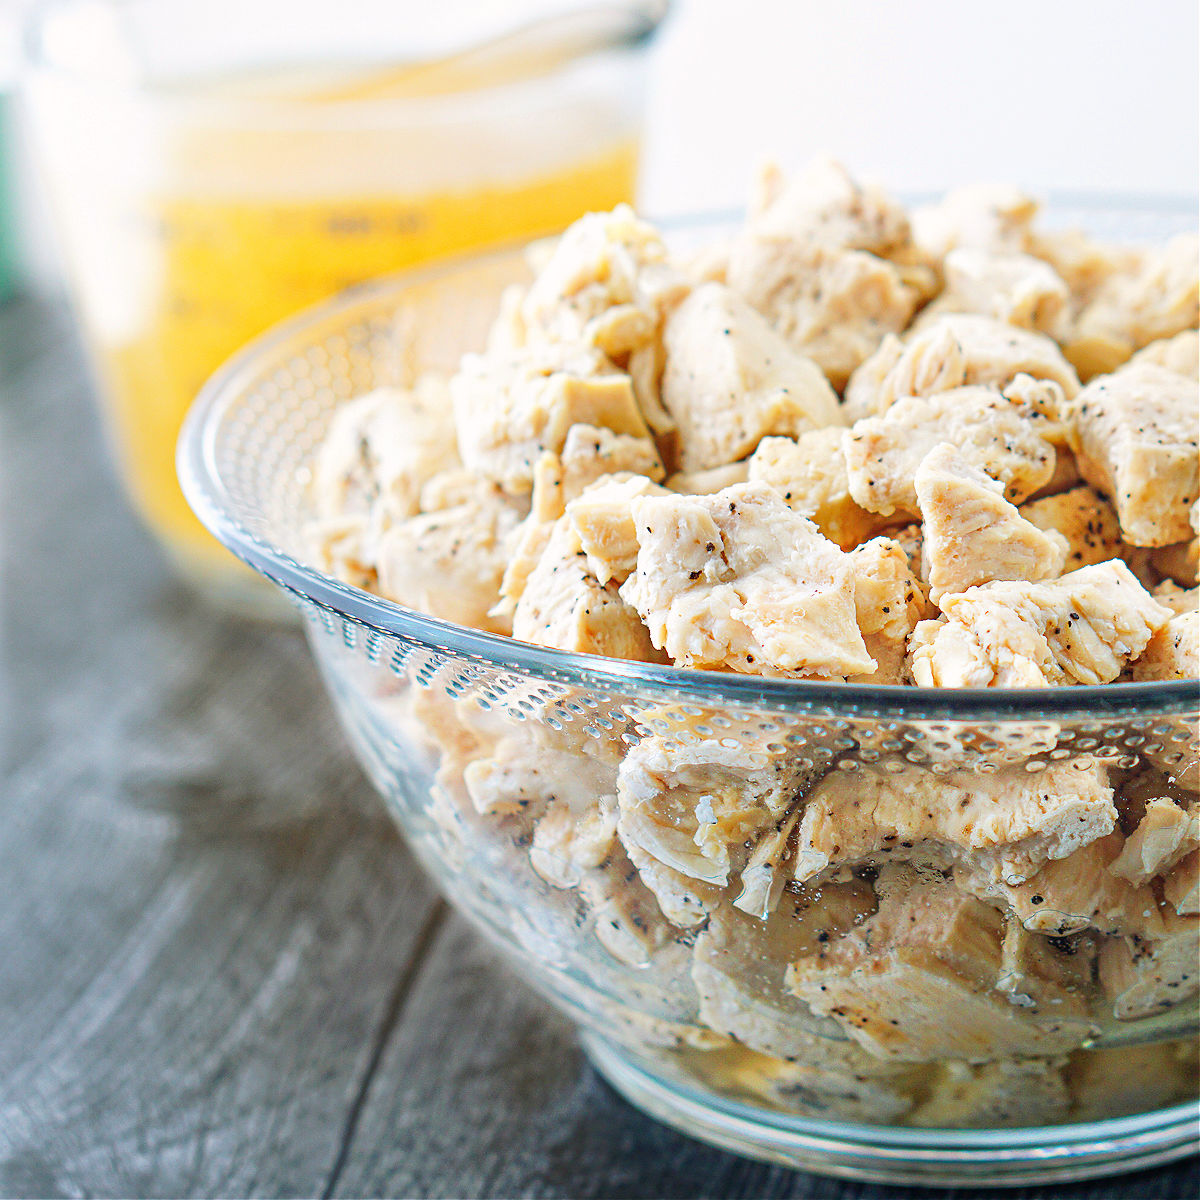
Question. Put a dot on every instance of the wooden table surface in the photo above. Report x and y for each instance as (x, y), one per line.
(221, 973)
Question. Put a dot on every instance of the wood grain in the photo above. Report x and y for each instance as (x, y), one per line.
(222, 974)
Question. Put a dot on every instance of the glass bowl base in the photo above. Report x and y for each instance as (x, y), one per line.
(882, 1154)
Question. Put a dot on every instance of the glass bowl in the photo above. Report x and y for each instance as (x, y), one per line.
(501, 761)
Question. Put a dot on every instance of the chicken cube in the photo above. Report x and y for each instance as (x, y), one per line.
(971, 534)
(994, 218)
(1165, 834)
(1144, 976)
(738, 580)
(1173, 652)
(1081, 628)
(1180, 354)
(602, 518)
(889, 600)
(810, 474)
(730, 380)
(1006, 824)
(565, 606)
(1085, 519)
(917, 982)
(1135, 437)
(832, 305)
(883, 453)
(1017, 289)
(954, 350)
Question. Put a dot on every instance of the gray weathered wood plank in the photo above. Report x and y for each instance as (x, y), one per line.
(206, 911)
(484, 1092)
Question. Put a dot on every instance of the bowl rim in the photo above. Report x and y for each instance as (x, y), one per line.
(206, 493)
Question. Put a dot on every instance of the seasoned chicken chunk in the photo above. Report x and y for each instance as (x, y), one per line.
(1157, 296)
(509, 409)
(574, 835)
(1144, 976)
(971, 534)
(730, 380)
(1004, 1093)
(451, 562)
(602, 518)
(1017, 289)
(738, 580)
(1181, 887)
(1084, 519)
(917, 981)
(833, 305)
(1081, 628)
(697, 804)
(883, 453)
(1071, 894)
(563, 605)
(810, 474)
(1165, 834)
(1180, 354)
(1135, 437)
(954, 350)
(889, 600)
(1173, 652)
(607, 282)
(1006, 824)
(823, 203)
(739, 964)
(995, 218)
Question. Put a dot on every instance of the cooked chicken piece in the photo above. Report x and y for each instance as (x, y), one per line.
(1081, 628)
(810, 474)
(1135, 436)
(911, 539)
(738, 580)
(739, 964)
(1083, 264)
(368, 472)
(684, 900)
(730, 380)
(1085, 519)
(380, 449)
(607, 282)
(451, 562)
(883, 453)
(1014, 288)
(563, 605)
(1002, 1094)
(1144, 976)
(508, 410)
(991, 217)
(589, 454)
(767, 871)
(955, 350)
(831, 304)
(697, 804)
(1155, 297)
(1181, 887)
(1070, 894)
(971, 534)
(823, 203)
(889, 601)
(1165, 834)
(602, 518)
(1005, 824)
(1180, 354)
(624, 914)
(1177, 599)
(1037, 973)
(573, 836)
(704, 483)
(1173, 652)
(917, 982)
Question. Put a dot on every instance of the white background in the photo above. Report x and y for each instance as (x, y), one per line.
(1050, 94)
(1061, 94)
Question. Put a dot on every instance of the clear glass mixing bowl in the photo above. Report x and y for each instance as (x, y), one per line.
(693, 1017)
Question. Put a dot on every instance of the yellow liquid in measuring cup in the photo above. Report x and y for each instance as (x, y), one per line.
(227, 268)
